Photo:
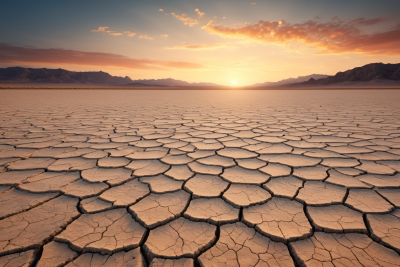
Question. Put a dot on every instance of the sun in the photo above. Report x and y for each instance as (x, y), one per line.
(233, 82)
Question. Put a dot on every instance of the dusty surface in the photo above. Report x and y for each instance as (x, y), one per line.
(240, 245)
(324, 249)
(105, 232)
(22, 259)
(190, 178)
(280, 219)
(158, 209)
(336, 219)
(56, 254)
(119, 259)
(212, 210)
(179, 238)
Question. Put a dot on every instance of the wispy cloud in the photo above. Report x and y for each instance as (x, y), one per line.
(101, 29)
(199, 13)
(105, 30)
(332, 37)
(130, 33)
(253, 4)
(27, 55)
(198, 46)
(114, 33)
(186, 20)
(162, 10)
(145, 36)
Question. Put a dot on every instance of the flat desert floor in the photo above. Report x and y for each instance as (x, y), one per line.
(204, 178)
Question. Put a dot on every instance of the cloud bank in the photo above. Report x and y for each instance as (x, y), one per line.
(333, 37)
(185, 19)
(188, 20)
(198, 46)
(130, 33)
(24, 55)
(201, 14)
(105, 30)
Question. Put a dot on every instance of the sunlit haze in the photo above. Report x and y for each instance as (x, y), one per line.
(228, 42)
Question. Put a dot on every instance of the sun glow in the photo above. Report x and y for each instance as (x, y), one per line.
(233, 82)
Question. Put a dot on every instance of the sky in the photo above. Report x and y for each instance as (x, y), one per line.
(228, 42)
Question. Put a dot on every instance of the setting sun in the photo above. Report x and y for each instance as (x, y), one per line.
(233, 82)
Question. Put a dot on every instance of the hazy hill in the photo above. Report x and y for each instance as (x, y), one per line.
(43, 76)
(374, 73)
(170, 82)
(371, 75)
(289, 81)
(29, 75)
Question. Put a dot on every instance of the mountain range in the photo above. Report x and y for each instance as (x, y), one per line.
(60, 76)
(374, 74)
(169, 82)
(29, 75)
(288, 81)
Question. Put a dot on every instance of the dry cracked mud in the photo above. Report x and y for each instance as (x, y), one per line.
(119, 259)
(179, 238)
(211, 210)
(150, 180)
(240, 245)
(280, 219)
(158, 209)
(105, 232)
(351, 249)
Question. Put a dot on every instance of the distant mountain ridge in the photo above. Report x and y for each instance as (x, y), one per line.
(374, 73)
(370, 75)
(289, 81)
(170, 82)
(30, 75)
(43, 75)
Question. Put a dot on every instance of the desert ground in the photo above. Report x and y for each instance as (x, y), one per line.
(199, 178)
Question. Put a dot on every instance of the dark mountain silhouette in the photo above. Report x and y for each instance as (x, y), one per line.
(288, 81)
(371, 74)
(170, 82)
(135, 84)
(374, 74)
(43, 76)
(29, 75)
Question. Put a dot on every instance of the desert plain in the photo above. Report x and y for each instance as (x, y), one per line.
(199, 178)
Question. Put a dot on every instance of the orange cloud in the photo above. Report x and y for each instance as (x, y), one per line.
(253, 4)
(130, 33)
(104, 30)
(25, 55)
(198, 46)
(162, 10)
(333, 37)
(145, 36)
(186, 20)
(199, 13)
(164, 35)
(113, 33)
(101, 29)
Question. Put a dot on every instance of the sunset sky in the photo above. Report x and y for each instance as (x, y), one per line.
(200, 41)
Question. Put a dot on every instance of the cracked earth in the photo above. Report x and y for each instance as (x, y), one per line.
(130, 179)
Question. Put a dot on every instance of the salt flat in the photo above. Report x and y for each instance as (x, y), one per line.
(204, 178)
